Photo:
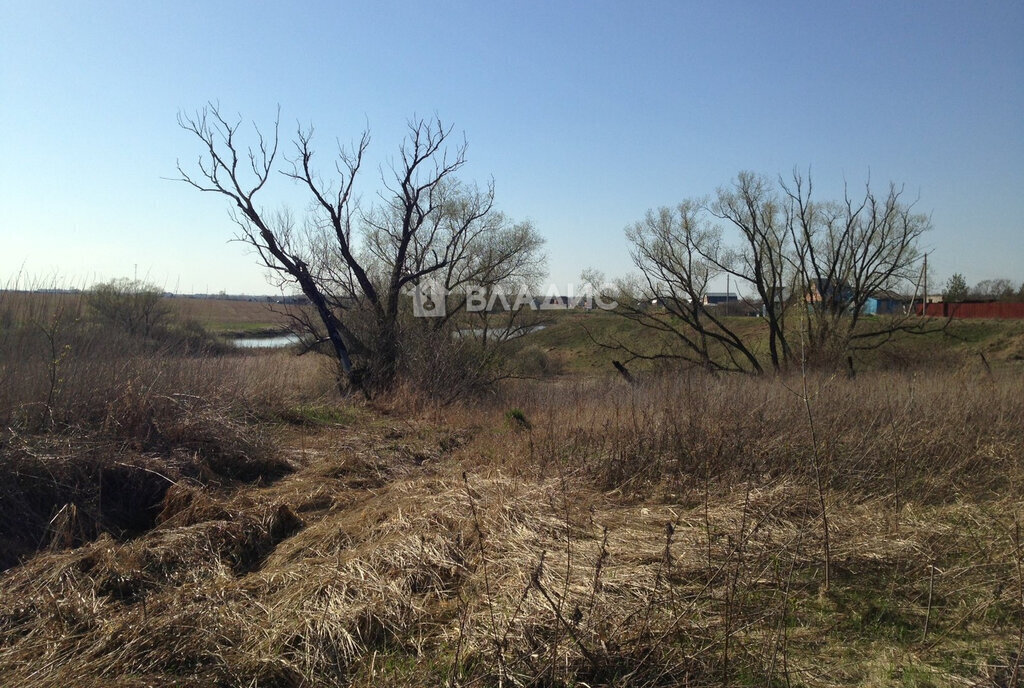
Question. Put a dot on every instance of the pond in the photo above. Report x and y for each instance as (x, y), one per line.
(273, 342)
(282, 340)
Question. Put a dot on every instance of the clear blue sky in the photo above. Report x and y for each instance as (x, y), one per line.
(585, 113)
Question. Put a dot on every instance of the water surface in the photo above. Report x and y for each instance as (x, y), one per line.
(274, 342)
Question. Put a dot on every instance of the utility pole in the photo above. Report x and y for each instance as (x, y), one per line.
(924, 308)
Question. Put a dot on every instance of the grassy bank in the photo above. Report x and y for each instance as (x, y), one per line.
(583, 343)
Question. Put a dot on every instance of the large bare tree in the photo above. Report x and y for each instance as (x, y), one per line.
(847, 252)
(810, 268)
(356, 264)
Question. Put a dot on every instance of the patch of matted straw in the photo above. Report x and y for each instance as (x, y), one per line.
(473, 578)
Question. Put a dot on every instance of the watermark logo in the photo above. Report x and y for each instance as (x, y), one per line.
(430, 299)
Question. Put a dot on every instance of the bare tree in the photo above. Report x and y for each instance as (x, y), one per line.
(847, 253)
(1000, 289)
(760, 260)
(670, 248)
(354, 264)
(795, 257)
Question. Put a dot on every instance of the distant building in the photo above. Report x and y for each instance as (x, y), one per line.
(668, 300)
(882, 302)
(822, 290)
(887, 303)
(974, 309)
(551, 302)
(713, 298)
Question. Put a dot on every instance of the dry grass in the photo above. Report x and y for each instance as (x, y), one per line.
(926, 436)
(59, 368)
(666, 534)
(95, 425)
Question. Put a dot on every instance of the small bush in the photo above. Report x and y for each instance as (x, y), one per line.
(515, 418)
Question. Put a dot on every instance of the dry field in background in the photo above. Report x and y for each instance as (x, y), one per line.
(229, 315)
(217, 315)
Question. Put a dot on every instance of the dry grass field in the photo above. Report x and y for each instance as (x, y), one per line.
(229, 520)
(219, 316)
(230, 316)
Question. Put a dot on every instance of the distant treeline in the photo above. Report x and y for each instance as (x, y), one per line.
(297, 299)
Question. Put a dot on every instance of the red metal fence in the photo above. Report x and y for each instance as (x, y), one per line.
(993, 309)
